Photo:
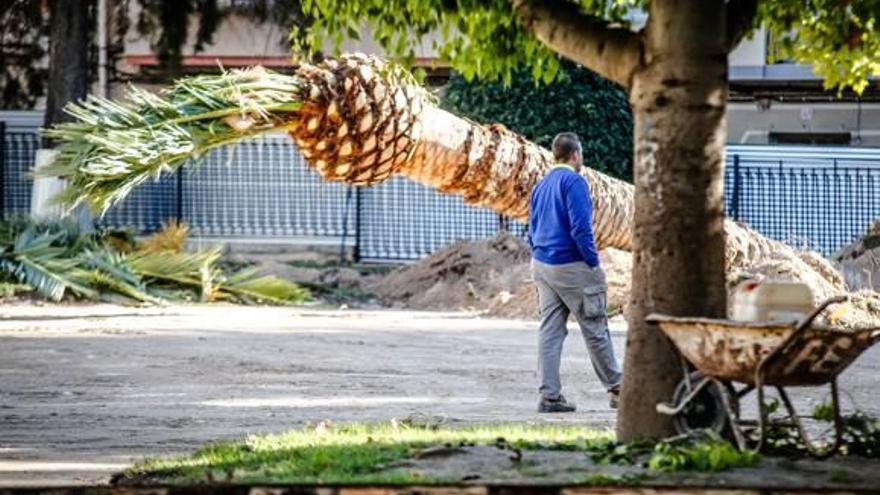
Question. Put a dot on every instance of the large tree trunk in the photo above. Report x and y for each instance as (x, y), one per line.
(68, 82)
(68, 57)
(678, 99)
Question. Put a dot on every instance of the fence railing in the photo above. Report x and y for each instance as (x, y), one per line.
(821, 199)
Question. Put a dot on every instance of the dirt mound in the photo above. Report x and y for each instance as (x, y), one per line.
(490, 276)
(462, 276)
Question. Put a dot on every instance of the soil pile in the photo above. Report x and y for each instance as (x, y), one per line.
(462, 276)
(490, 276)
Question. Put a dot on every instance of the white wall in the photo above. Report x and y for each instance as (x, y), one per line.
(751, 51)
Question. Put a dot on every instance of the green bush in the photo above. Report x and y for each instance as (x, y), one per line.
(582, 102)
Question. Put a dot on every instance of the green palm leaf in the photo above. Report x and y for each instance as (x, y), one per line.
(111, 271)
(197, 270)
(250, 287)
(35, 261)
(113, 147)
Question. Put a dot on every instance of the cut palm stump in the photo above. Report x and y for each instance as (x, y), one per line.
(357, 120)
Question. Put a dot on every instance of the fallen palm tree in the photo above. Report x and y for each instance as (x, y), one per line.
(357, 120)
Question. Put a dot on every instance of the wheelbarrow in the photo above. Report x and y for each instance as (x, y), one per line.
(756, 355)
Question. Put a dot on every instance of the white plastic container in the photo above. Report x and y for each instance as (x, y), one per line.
(771, 301)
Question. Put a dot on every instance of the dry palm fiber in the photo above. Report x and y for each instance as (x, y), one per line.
(358, 120)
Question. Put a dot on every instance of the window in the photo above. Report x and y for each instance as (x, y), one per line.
(820, 138)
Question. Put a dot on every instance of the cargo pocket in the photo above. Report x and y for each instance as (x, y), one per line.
(594, 304)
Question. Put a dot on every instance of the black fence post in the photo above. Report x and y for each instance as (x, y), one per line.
(734, 207)
(502, 223)
(356, 252)
(178, 205)
(351, 192)
(3, 170)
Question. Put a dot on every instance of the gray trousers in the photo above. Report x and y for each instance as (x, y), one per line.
(572, 288)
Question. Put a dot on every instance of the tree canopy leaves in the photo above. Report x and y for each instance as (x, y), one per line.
(483, 39)
(840, 38)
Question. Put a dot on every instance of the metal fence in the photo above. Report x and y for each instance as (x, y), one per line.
(17, 150)
(816, 198)
(820, 199)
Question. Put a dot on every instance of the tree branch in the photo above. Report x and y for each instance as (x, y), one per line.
(613, 52)
(740, 17)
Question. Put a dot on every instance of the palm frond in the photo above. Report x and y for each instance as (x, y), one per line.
(111, 271)
(171, 237)
(197, 270)
(35, 261)
(113, 147)
(249, 287)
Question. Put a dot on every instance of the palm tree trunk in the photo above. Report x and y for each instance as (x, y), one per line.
(359, 121)
(361, 128)
(365, 122)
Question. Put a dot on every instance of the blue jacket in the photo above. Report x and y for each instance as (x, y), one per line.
(561, 218)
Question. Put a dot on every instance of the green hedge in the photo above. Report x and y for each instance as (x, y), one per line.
(583, 102)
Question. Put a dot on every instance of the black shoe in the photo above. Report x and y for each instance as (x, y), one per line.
(614, 398)
(559, 405)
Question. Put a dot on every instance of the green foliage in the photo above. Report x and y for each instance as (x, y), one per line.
(480, 38)
(367, 453)
(54, 259)
(862, 437)
(579, 100)
(349, 453)
(112, 147)
(35, 259)
(710, 455)
(861, 434)
(9, 290)
(483, 39)
(691, 453)
(840, 38)
(250, 287)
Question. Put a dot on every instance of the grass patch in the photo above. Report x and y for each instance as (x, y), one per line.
(350, 453)
(376, 453)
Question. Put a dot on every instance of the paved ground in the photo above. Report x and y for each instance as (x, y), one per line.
(87, 390)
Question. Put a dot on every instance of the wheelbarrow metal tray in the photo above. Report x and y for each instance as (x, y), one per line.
(732, 351)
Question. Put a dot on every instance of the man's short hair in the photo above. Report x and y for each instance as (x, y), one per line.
(565, 144)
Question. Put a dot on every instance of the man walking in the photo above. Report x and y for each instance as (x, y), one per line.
(565, 267)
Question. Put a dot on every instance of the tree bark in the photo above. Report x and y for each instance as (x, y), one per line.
(613, 52)
(678, 101)
(68, 57)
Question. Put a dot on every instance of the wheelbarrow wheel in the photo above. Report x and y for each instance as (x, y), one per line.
(706, 410)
